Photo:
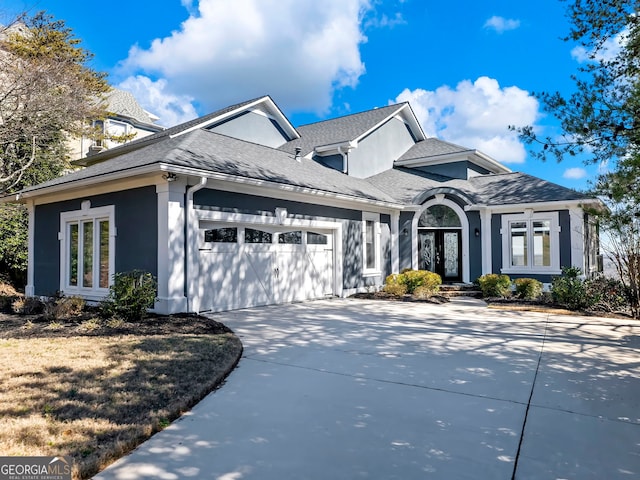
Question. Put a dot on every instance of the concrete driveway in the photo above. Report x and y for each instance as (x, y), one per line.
(348, 389)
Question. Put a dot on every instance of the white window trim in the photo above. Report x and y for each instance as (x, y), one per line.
(554, 238)
(86, 213)
(375, 218)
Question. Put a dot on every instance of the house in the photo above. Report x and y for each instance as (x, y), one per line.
(239, 208)
(126, 121)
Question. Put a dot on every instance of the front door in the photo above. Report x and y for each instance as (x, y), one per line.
(439, 252)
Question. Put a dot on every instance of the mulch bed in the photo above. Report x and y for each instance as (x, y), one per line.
(37, 326)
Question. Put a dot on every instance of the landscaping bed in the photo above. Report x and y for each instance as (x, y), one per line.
(94, 389)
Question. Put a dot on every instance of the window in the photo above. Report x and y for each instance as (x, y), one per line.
(221, 235)
(290, 238)
(371, 243)
(87, 248)
(252, 235)
(316, 239)
(531, 243)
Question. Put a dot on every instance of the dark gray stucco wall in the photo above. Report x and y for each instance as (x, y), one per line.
(136, 219)
(218, 200)
(564, 237)
(475, 246)
(252, 127)
(385, 240)
(404, 244)
(496, 243)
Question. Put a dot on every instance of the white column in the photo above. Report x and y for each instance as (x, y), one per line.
(29, 289)
(171, 252)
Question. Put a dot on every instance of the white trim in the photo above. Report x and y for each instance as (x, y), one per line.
(554, 236)
(464, 232)
(273, 223)
(93, 214)
(191, 254)
(376, 269)
(578, 257)
(473, 156)
(29, 289)
(545, 206)
(171, 254)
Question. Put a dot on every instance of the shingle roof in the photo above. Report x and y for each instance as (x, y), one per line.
(406, 185)
(212, 152)
(432, 147)
(338, 130)
(124, 103)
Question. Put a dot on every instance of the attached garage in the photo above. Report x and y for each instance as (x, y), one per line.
(262, 263)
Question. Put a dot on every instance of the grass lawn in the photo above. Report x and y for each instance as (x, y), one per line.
(95, 391)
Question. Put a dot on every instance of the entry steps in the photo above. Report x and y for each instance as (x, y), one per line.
(451, 290)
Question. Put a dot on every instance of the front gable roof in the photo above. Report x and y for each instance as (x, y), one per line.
(264, 103)
(433, 151)
(350, 129)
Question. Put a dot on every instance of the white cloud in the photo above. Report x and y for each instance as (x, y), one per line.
(501, 24)
(575, 173)
(299, 52)
(608, 51)
(476, 115)
(154, 97)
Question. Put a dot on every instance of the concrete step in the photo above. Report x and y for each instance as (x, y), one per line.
(460, 290)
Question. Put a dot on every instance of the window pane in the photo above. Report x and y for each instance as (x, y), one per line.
(542, 243)
(256, 236)
(221, 235)
(104, 254)
(439, 216)
(290, 238)
(87, 254)
(370, 244)
(519, 244)
(316, 239)
(73, 254)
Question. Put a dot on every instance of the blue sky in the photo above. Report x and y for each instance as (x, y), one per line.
(468, 68)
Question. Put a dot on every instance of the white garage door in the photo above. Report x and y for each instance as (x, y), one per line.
(246, 266)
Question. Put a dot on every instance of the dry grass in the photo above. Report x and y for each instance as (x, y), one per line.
(94, 393)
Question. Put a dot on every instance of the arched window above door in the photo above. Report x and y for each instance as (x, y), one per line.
(439, 216)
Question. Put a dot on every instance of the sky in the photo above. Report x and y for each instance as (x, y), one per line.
(468, 68)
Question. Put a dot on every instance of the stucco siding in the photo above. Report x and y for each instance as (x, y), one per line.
(475, 245)
(377, 152)
(252, 127)
(136, 246)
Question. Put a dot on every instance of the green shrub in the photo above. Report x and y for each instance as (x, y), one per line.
(418, 278)
(528, 288)
(130, 295)
(395, 289)
(569, 290)
(494, 285)
(424, 292)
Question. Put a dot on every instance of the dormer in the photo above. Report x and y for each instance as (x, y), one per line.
(449, 160)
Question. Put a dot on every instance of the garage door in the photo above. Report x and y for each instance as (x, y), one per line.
(246, 266)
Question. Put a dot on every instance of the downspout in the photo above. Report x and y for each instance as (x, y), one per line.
(191, 246)
(345, 159)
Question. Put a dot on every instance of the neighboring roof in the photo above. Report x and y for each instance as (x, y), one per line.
(340, 130)
(207, 151)
(408, 186)
(124, 104)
